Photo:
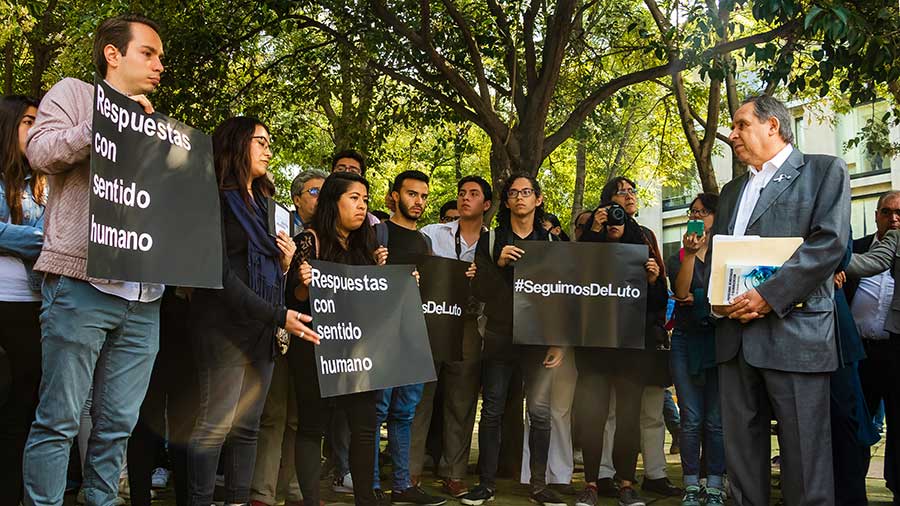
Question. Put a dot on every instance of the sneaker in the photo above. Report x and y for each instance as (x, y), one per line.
(546, 497)
(661, 486)
(715, 497)
(477, 496)
(454, 488)
(79, 499)
(159, 478)
(343, 485)
(415, 495)
(628, 497)
(606, 487)
(587, 497)
(691, 497)
(380, 498)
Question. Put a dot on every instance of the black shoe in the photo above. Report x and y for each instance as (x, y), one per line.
(415, 495)
(563, 488)
(606, 487)
(628, 497)
(587, 497)
(661, 486)
(477, 496)
(380, 498)
(546, 497)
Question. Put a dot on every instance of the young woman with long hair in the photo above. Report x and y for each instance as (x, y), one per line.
(233, 330)
(341, 233)
(23, 194)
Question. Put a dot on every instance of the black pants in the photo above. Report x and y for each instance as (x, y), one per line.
(20, 337)
(627, 442)
(172, 395)
(313, 416)
(878, 375)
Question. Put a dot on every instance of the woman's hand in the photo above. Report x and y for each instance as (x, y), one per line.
(415, 274)
(287, 247)
(839, 279)
(554, 356)
(381, 255)
(509, 254)
(305, 273)
(692, 244)
(470, 272)
(294, 323)
(599, 219)
(652, 271)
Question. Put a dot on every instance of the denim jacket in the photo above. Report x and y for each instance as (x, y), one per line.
(23, 241)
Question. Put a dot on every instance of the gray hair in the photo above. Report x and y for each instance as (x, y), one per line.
(767, 106)
(303, 177)
(887, 195)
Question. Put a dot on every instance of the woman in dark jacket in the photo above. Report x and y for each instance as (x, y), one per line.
(233, 329)
(340, 232)
(627, 371)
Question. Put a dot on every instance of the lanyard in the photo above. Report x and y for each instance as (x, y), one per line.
(458, 245)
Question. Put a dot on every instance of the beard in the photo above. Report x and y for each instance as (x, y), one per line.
(404, 210)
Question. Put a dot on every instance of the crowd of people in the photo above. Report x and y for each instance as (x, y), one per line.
(216, 389)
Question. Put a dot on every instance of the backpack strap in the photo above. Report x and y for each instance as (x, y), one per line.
(492, 238)
(381, 234)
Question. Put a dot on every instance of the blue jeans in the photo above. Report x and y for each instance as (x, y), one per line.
(700, 415)
(87, 338)
(495, 377)
(398, 406)
(231, 404)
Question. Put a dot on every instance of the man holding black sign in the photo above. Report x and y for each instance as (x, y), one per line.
(397, 405)
(519, 219)
(88, 325)
(458, 377)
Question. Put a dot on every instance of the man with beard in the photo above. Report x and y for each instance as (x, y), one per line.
(397, 405)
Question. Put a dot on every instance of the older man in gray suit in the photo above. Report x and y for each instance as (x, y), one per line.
(776, 346)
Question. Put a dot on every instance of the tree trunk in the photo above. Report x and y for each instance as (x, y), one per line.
(8, 54)
(707, 176)
(580, 173)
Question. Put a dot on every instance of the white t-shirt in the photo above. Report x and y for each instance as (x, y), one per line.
(14, 286)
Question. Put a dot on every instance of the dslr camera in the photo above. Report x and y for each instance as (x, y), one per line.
(615, 215)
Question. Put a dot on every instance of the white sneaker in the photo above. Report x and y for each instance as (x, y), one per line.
(160, 477)
(343, 485)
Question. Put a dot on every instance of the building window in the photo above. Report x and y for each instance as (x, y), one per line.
(672, 240)
(848, 126)
(862, 215)
(799, 133)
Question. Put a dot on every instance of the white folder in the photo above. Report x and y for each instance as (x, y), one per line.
(745, 250)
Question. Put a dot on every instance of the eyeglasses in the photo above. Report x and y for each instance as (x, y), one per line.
(525, 193)
(263, 142)
(702, 213)
(449, 219)
(347, 168)
(886, 211)
(314, 191)
(626, 191)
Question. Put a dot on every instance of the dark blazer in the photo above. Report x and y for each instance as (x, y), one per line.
(808, 197)
(860, 245)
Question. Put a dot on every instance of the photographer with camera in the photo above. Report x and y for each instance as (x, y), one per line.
(628, 371)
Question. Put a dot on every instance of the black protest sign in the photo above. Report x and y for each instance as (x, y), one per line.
(154, 202)
(445, 294)
(372, 328)
(580, 294)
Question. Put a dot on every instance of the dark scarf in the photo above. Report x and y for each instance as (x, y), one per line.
(263, 255)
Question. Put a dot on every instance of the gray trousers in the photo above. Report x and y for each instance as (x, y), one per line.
(461, 382)
(800, 403)
(274, 474)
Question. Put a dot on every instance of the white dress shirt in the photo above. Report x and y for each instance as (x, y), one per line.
(131, 290)
(443, 241)
(759, 178)
(872, 302)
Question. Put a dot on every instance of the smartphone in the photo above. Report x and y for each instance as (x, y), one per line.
(695, 227)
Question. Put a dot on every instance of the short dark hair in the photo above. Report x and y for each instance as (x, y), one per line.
(116, 31)
(612, 187)
(485, 186)
(350, 153)
(709, 200)
(767, 106)
(554, 221)
(885, 196)
(448, 206)
(418, 175)
(381, 215)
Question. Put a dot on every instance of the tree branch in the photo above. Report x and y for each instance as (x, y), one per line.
(471, 46)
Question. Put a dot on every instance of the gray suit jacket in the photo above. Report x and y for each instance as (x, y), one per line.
(811, 201)
(883, 256)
